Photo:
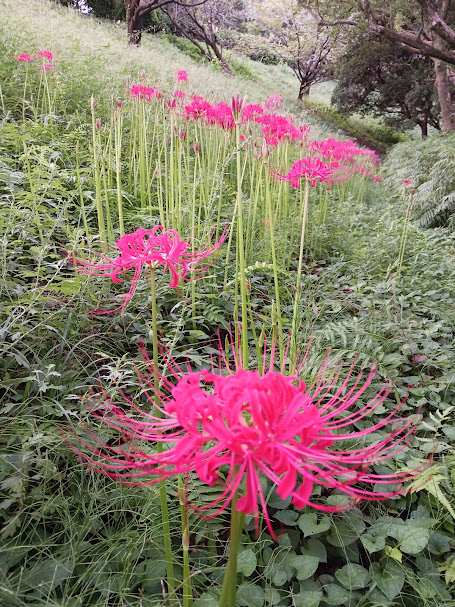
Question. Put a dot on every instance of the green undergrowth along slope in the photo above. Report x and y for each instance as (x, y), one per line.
(429, 169)
(73, 538)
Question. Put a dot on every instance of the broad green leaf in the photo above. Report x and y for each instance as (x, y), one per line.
(389, 577)
(353, 576)
(316, 548)
(373, 543)
(335, 595)
(310, 598)
(309, 524)
(305, 565)
(250, 595)
(49, 574)
(438, 544)
(246, 562)
(288, 517)
(272, 596)
(206, 600)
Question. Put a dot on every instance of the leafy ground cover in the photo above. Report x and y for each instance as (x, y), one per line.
(374, 287)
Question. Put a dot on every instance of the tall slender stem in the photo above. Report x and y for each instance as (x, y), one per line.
(163, 497)
(229, 588)
(298, 286)
(187, 588)
(241, 250)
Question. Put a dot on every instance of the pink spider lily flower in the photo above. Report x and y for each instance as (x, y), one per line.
(273, 102)
(24, 58)
(139, 91)
(155, 247)
(248, 425)
(46, 67)
(45, 55)
(315, 170)
(182, 76)
(377, 178)
(179, 94)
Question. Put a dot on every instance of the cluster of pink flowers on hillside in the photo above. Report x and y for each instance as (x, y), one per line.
(45, 56)
(343, 157)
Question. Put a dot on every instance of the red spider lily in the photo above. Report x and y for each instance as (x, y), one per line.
(139, 91)
(273, 102)
(377, 178)
(272, 424)
(45, 55)
(314, 170)
(198, 108)
(252, 111)
(179, 94)
(46, 66)
(24, 58)
(182, 76)
(155, 247)
(342, 150)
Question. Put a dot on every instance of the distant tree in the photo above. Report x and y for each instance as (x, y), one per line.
(297, 38)
(137, 11)
(203, 25)
(376, 76)
(424, 27)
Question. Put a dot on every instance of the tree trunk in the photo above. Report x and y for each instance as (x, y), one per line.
(134, 29)
(304, 90)
(424, 128)
(442, 83)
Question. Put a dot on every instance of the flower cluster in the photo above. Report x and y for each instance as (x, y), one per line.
(182, 76)
(233, 426)
(314, 170)
(275, 128)
(42, 54)
(139, 91)
(155, 247)
(24, 58)
(273, 102)
(342, 150)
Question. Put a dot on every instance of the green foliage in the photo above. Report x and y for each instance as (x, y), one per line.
(73, 538)
(377, 77)
(430, 166)
(375, 136)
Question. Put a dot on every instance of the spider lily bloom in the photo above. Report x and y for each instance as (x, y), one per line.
(155, 247)
(139, 91)
(45, 55)
(314, 170)
(343, 150)
(182, 76)
(46, 66)
(24, 58)
(252, 424)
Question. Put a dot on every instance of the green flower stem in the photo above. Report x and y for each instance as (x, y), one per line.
(275, 265)
(187, 587)
(81, 196)
(229, 588)
(25, 91)
(163, 497)
(118, 120)
(241, 250)
(97, 175)
(298, 287)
